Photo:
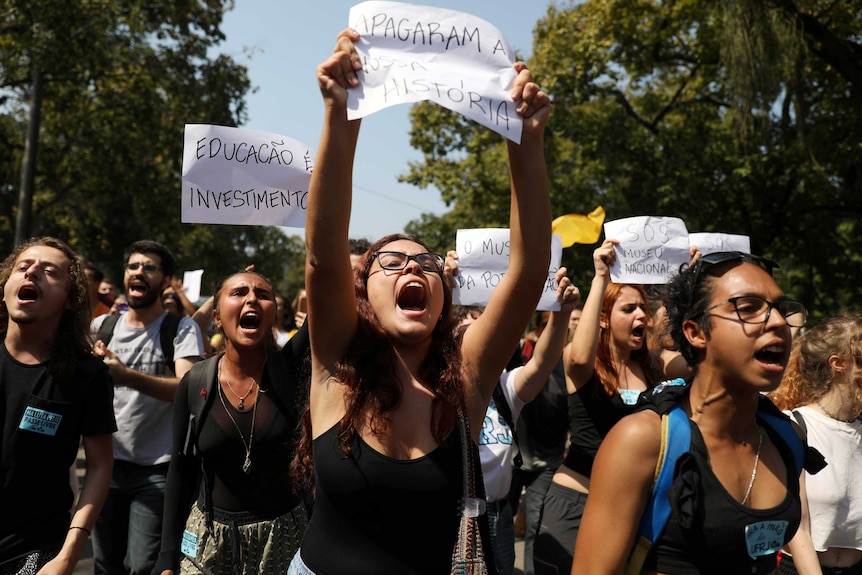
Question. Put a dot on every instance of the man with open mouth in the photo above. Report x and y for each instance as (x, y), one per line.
(53, 392)
(127, 536)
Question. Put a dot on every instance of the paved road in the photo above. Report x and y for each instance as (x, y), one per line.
(85, 565)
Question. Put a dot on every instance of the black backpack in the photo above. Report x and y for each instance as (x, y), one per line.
(167, 334)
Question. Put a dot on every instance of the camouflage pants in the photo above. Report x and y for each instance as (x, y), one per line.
(238, 544)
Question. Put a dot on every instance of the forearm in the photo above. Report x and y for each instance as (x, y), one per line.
(546, 355)
(163, 388)
(331, 189)
(99, 456)
(203, 315)
(801, 547)
(530, 212)
(585, 341)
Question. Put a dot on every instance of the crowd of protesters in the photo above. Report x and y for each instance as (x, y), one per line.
(348, 431)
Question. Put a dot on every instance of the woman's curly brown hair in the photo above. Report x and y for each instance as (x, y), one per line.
(808, 376)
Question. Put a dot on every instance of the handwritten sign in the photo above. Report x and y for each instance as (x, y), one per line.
(651, 248)
(711, 242)
(412, 53)
(483, 258)
(244, 177)
(192, 284)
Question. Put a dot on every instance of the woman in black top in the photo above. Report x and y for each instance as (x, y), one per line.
(735, 496)
(607, 366)
(229, 506)
(388, 380)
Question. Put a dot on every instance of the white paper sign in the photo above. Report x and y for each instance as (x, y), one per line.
(192, 284)
(710, 242)
(412, 53)
(651, 248)
(244, 177)
(483, 258)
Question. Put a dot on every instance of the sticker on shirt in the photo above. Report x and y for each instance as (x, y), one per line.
(189, 546)
(491, 433)
(765, 537)
(630, 396)
(40, 421)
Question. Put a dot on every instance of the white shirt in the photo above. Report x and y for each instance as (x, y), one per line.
(835, 493)
(496, 446)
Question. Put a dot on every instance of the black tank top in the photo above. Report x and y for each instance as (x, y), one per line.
(709, 532)
(376, 515)
(592, 414)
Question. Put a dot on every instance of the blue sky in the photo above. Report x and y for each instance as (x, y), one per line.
(282, 41)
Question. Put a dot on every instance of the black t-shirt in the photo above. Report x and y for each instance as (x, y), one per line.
(44, 419)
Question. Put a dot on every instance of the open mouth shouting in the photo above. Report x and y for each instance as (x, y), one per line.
(28, 293)
(639, 334)
(138, 290)
(249, 321)
(772, 357)
(413, 298)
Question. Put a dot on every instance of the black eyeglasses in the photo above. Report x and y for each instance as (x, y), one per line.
(755, 309)
(429, 262)
(148, 268)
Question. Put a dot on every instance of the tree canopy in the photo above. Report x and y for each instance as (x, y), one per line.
(737, 117)
(120, 79)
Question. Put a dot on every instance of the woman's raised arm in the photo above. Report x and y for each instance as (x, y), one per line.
(489, 343)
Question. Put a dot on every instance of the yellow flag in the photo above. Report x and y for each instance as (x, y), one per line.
(579, 228)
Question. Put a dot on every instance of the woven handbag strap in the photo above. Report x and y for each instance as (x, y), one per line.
(468, 471)
(471, 504)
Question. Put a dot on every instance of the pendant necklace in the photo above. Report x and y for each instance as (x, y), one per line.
(246, 466)
(241, 398)
(756, 461)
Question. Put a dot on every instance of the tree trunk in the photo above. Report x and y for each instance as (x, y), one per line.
(24, 218)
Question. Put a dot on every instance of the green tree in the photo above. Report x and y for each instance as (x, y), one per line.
(121, 78)
(670, 108)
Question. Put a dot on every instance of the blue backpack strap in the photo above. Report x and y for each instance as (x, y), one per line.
(675, 440)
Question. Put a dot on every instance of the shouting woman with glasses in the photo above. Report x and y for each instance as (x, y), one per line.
(392, 393)
(735, 497)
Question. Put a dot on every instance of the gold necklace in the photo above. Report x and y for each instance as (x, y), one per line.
(241, 398)
(246, 465)
(756, 461)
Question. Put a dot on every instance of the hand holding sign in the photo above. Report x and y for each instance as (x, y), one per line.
(411, 53)
(481, 261)
(339, 72)
(650, 248)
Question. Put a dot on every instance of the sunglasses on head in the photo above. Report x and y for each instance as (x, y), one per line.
(719, 258)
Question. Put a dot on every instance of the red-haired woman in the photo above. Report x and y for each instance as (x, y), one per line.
(608, 365)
